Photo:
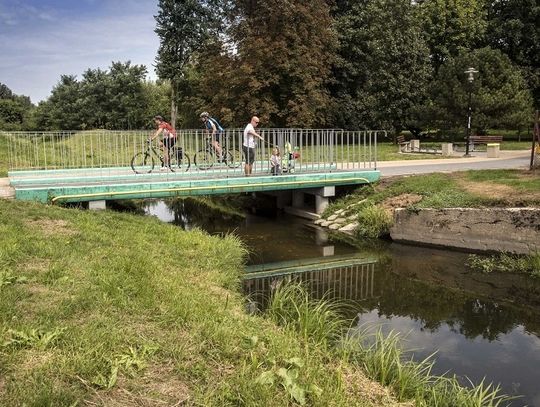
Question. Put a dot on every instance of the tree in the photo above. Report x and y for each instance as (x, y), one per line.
(14, 109)
(275, 62)
(383, 71)
(500, 99)
(514, 28)
(182, 26)
(450, 25)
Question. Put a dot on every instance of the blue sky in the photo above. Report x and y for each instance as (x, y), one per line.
(41, 40)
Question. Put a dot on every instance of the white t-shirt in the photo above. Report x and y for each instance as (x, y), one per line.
(249, 139)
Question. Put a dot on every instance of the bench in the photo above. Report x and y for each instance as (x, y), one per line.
(408, 147)
(485, 139)
(404, 146)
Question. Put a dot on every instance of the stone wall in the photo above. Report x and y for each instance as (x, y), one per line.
(514, 230)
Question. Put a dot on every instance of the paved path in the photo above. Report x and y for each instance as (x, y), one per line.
(507, 160)
(6, 191)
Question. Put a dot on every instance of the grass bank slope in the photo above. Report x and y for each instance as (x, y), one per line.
(118, 310)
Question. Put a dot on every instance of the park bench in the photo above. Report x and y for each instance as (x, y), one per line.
(406, 147)
(479, 140)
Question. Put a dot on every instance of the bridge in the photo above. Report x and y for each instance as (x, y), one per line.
(346, 277)
(98, 165)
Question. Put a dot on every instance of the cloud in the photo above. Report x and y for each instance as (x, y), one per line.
(34, 56)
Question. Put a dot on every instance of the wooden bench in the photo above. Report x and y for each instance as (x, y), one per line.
(474, 140)
(404, 146)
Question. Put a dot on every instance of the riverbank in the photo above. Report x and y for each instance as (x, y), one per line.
(117, 309)
(369, 211)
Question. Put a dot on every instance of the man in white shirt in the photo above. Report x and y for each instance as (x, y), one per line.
(249, 145)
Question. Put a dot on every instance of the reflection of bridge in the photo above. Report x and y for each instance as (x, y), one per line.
(344, 277)
(95, 166)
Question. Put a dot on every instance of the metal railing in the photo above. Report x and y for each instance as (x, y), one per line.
(302, 150)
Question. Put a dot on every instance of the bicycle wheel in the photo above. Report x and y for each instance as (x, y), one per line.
(142, 163)
(204, 159)
(233, 158)
(179, 160)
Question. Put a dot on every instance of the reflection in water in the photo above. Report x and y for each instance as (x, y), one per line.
(481, 324)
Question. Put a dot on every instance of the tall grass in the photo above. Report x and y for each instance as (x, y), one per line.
(373, 222)
(383, 359)
(507, 263)
(316, 321)
(381, 356)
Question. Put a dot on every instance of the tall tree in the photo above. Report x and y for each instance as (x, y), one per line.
(451, 25)
(384, 69)
(182, 26)
(500, 99)
(514, 28)
(275, 62)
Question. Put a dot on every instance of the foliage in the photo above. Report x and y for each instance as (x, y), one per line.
(506, 262)
(451, 26)
(315, 321)
(15, 110)
(112, 99)
(32, 338)
(373, 222)
(383, 71)
(514, 29)
(383, 358)
(275, 63)
(500, 98)
(182, 27)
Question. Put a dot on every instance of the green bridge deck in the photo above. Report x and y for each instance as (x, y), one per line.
(79, 185)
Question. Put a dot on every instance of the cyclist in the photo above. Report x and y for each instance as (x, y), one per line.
(168, 141)
(214, 129)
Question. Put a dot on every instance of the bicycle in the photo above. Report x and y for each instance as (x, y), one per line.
(144, 162)
(207, 156)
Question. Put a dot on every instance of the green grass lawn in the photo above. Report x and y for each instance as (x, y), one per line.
(122, 310)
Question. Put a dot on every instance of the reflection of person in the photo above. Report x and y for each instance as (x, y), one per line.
(214, 129)
(275, 161)
(169, 138)
(249, 144)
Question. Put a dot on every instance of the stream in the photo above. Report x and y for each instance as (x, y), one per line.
(479, 325)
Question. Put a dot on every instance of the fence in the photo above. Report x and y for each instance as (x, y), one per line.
(302, 150)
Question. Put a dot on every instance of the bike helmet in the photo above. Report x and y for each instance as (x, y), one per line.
(204, 114)
(160, 118)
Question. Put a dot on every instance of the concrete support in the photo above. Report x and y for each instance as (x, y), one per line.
(321, 203)
(415, 145)
(97, 205)
(447, 149)
(493, 150)
(298, 198)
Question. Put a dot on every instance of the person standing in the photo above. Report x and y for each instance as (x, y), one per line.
(249, 144)
(169, 138)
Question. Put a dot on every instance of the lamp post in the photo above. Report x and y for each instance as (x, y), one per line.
(470, 78)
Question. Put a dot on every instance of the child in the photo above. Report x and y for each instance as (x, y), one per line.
(275, 161)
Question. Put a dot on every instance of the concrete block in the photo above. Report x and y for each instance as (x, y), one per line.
(447, 149)
(327, 251)
(340, 220)
(97, 205)
(321, 203)
(332, 217)
(326, 223)
(493, 150)
(415, 145)
(319, 221)
(334, 226)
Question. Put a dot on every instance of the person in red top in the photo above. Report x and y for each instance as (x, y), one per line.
(169, 138)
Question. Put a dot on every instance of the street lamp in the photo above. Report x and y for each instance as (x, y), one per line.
(470, 78)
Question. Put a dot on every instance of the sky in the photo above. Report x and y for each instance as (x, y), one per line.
(42, 40)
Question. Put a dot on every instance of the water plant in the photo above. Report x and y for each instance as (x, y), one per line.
(506, 263)
(373, 221)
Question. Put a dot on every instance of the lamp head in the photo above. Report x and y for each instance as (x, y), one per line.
(471, 71)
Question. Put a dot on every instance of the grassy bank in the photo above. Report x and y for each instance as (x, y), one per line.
(118, 310)
(372, 204)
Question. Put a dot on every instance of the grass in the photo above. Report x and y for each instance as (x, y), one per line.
(507, 263)
(372, 204)
(116, 309)
(381, 356)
